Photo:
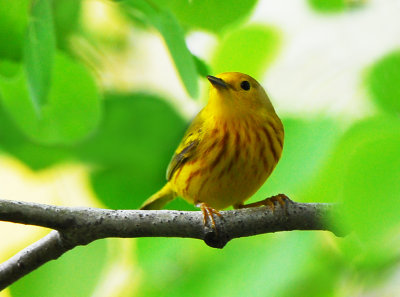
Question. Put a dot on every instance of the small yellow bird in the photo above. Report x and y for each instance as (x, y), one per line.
(229, 150)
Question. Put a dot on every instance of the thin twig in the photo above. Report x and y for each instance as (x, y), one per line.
(80, 226)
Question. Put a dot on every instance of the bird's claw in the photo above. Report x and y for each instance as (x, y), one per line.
(282, 199)
(208, 213)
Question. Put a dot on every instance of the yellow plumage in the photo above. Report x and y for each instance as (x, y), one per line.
(229, 150)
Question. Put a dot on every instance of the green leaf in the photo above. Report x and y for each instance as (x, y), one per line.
(9, 68)
(256, 266)
(214, 16)
(66, 20)
(39, 52)
(13, 22)
(72, 110)
(34, 155)
(363, 173)
(328, 6)
(126, 187)
(306, 146)
(173, 35)
(157, 279)
(77, 273)
(368, 182)
(132, 148)
(16, 100)
(249, 50)
(371, 181)
(202, 67)
(382, 82)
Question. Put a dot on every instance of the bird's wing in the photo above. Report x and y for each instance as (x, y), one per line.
(187, 148)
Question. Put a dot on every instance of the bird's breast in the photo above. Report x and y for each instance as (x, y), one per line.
(232, 161)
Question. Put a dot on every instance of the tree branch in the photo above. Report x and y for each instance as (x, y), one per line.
(80, 226)
(48, 248)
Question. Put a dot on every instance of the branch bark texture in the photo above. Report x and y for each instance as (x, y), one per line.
(75, 226)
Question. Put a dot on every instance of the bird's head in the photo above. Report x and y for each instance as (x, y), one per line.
(238, 93)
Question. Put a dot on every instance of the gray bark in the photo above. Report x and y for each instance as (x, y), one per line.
(75, 226)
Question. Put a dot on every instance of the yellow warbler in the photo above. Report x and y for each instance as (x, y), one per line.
(229, 150)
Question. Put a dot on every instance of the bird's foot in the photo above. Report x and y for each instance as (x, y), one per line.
(208, 214)
(270, 202)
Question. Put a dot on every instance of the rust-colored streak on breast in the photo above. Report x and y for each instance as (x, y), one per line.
(177, 173)
(238, 147)
(192, 161)
(237, 138)
(230, 165)
(214, 133)
(246, 130)
(202, 186)
(209, 149)
(191, 176)
(271, 144)
(222, 152)
(273, 127)
(227, 169)
(246, 146)
(279, 139)
(247, 136)
(263, 157)
(258, 138)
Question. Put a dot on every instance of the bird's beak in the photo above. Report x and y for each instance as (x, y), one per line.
(217, 82)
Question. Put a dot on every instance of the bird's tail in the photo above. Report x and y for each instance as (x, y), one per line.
(160, 198)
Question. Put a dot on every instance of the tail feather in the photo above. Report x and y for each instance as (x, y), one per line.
(159, 199)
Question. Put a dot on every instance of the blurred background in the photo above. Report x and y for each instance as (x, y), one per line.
(95, 96)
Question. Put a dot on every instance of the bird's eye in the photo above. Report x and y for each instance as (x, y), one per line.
(245, 85)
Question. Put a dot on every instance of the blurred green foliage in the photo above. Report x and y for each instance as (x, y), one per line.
(214, 16)
(166, 23)
(335, 6)
(75, 274)
(382, 81)
(257, 41)
(328, 6)
(54, 110)
(36, 156)
(66, 14)
(72, 110)
(379, 143)
(39, 52)
(13, 24)
(133, 127)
